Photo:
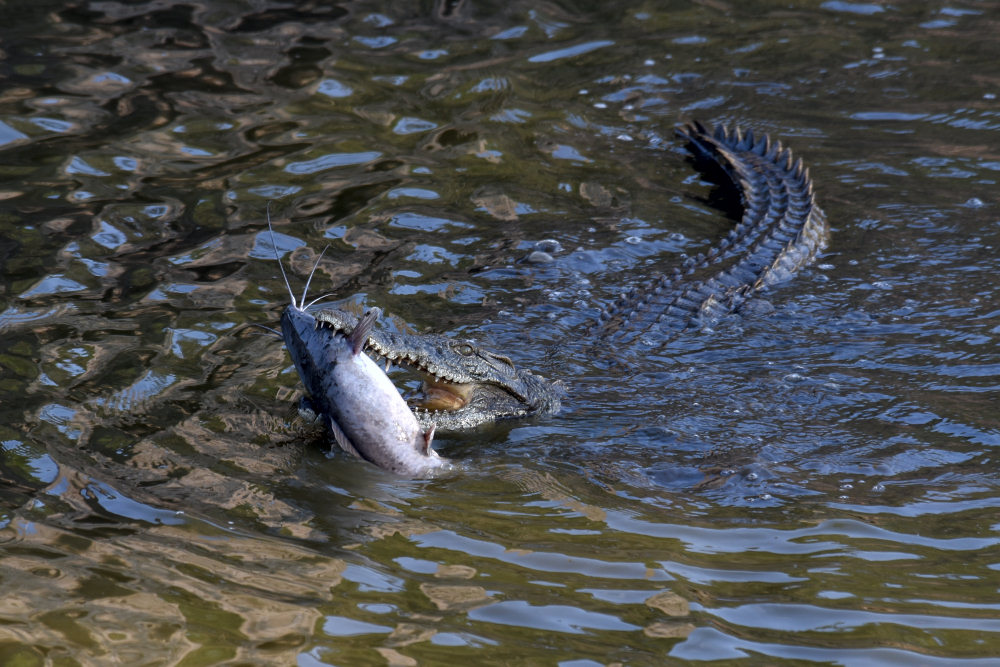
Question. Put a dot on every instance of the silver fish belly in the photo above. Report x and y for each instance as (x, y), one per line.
(363, 409)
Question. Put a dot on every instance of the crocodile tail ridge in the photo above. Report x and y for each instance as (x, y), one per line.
(781, 229)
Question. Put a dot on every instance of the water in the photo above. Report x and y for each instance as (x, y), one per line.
(810, 480)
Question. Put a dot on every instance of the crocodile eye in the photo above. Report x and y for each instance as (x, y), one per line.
(465, 349)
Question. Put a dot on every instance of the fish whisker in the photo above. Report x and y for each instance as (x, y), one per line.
(319, 298)
(309, 279)
(267, 329)
(281, 266)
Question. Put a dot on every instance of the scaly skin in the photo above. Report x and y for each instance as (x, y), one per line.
(781, 230)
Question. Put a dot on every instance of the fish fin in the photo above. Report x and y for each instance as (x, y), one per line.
(341, 439)
(428, 436)
(359, 336)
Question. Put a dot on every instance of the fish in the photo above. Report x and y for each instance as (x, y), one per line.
(364, 411)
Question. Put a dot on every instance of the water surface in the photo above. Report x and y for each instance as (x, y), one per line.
(812, 479)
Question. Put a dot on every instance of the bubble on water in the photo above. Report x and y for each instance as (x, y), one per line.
(633, 240)
(548, 245)
(539, 257)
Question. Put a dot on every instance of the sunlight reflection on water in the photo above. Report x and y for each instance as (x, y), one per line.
(810, 479)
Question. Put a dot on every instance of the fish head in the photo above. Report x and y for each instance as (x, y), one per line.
(308, 345)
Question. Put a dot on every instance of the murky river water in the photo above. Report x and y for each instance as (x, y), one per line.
(813, 479)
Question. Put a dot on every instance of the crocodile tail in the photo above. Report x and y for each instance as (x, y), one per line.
(781, 229)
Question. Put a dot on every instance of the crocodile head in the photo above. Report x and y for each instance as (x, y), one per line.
(464, 385)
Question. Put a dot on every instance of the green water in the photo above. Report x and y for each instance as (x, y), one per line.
(813, 479)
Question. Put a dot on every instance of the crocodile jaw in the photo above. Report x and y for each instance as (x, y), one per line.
(464, 385)
(439, 395)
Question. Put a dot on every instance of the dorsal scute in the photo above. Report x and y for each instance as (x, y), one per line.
(781, 229)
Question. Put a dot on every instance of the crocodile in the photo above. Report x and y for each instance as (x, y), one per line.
(781, 229)
(464, 384)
